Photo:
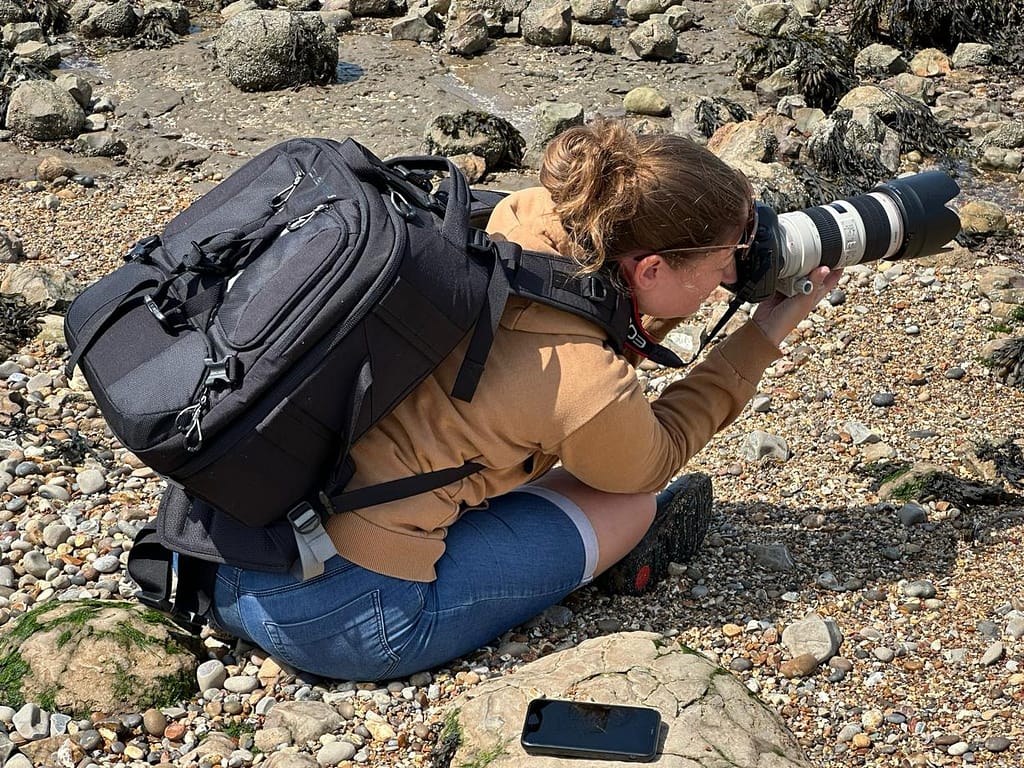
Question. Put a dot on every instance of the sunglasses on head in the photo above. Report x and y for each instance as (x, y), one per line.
(738, 250)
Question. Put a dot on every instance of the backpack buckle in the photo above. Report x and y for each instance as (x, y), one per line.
(594, 288)
(304, 518)
(141, 250)
(224, 371)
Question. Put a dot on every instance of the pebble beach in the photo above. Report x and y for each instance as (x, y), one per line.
(926, 592)
(888, 373)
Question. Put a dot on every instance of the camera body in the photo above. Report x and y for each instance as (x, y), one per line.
(900, 219)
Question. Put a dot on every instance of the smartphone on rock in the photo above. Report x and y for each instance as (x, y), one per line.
(591, 730)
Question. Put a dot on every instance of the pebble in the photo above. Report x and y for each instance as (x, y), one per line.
(921, 588)
(883, 399)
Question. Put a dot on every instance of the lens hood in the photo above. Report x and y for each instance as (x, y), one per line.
(929, 224)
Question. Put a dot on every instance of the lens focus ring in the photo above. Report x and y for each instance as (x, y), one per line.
(829, 234)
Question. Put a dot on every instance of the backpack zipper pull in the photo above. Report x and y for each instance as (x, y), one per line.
(304, 219)
(189, 421)
(282, 197)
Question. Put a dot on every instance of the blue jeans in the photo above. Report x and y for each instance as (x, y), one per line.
(502, 566)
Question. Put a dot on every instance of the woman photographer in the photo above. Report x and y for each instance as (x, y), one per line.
(423, 580)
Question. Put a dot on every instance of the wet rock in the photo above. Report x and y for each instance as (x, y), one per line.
(42, 110)
(968, 55)
(646, 101)
(593, 11)
(467, 34)
(552, 119)
(654, 39)
(546, 22)
(267, 50)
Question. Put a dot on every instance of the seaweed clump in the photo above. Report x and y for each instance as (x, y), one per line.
(15, 70)
(156, 30)
(488, 136)
(20, 321)
(821, 63)
(941, 24)
(710, 114)
(51, 16)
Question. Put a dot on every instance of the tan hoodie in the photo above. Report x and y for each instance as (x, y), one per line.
(553, 390)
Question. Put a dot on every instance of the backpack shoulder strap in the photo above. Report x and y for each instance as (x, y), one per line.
(559, 283)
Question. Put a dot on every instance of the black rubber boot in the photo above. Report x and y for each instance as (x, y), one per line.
(679, 527)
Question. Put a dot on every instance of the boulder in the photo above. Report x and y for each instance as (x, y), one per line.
(47, 285)
(552, 118)
(746, 141)
(769, 19)
(86, 656)
(969, 55)
(11, 249)
(421, 26)
(592, 36)
(268, 50)
(930, 62)
(547, 22)
(176, 14)
(15, 33)
(78, 87)
(42, 110)
(119, 19)
(654, 39)
(646, 100)
(467, 34)
(593, 11)
(642, 10)
(45, 55)
(491, 137)
(982, 217)
(709, 717)
(878, 59)
(500, 16)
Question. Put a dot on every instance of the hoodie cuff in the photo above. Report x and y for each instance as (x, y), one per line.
(749, 351)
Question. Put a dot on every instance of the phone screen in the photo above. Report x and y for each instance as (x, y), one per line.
(557, 727)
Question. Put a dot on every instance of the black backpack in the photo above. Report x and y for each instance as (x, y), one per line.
(278, 318)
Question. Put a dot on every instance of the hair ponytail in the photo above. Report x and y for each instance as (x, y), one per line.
(617, 192)
(596, 184)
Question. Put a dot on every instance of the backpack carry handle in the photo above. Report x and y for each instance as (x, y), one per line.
(455, 228)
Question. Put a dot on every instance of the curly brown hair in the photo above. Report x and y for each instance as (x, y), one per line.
(618, 193)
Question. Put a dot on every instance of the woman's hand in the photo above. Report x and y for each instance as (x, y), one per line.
(778, 315)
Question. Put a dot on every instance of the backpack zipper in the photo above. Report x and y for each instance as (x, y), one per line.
(282, 197)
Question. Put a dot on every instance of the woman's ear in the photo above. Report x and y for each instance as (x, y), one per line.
(646, 271)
